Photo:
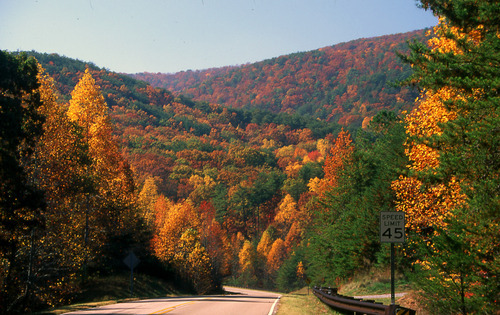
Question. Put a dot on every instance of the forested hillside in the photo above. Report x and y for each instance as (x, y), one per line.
(152, 122)
(344, 83)
(232, 193)
(199, 180)
(269, 181)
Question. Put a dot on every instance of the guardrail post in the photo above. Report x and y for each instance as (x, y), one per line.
(391, 310)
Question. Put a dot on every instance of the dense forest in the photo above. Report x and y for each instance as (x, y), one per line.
(270, 194)
(190, 181)
(344, 83)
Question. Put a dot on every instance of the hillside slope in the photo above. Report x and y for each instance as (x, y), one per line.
(343, 83)
(160, 133)
(238, 176)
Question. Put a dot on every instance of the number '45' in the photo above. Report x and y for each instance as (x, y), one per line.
(398, 233)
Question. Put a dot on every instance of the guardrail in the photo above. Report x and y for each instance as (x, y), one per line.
(342, 303)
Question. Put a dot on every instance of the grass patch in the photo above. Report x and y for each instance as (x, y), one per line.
(302, 303)
(114, 289)
(375, 282)
(378, 282)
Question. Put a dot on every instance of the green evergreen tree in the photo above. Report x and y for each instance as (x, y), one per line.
(463, 264)
(345, 237)
(288, 278)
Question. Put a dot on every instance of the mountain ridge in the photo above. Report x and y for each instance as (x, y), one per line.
(343, 83)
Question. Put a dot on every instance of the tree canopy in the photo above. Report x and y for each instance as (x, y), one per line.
(453, 185)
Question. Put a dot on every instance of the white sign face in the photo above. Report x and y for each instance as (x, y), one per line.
(392, 227)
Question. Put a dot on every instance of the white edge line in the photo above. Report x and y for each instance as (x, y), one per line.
(271, 311)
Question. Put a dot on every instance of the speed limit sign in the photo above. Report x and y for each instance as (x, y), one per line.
(392, 227)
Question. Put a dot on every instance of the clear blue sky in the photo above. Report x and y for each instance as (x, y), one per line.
(174, 35)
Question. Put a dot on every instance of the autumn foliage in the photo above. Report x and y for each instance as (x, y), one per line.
(253, 183)
(88, 193)
(344, 83)
(224, 179)
(340, 155)
(448, 194)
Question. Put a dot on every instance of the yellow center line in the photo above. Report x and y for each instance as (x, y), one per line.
(171, 308)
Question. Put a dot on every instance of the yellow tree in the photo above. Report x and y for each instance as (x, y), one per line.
(276, 256)
(287, 212)
(428, 205)
(178, 218)
(293, 236)
(290, 220)
(245, 257)
(87, 109)
(109, 204)
(323, 147)
(265, 244)
(247, 263)
(177, 241)
(58, 168)
(193, 262)
(203, 188)
(147, 199)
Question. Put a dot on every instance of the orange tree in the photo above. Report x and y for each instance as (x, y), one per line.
(451, 192)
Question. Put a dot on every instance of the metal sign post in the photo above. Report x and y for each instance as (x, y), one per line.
(392, 230)
(131, 261)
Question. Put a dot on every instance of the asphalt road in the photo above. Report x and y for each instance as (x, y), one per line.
(237, 301)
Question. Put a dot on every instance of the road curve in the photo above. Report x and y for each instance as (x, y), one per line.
(236, 301)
